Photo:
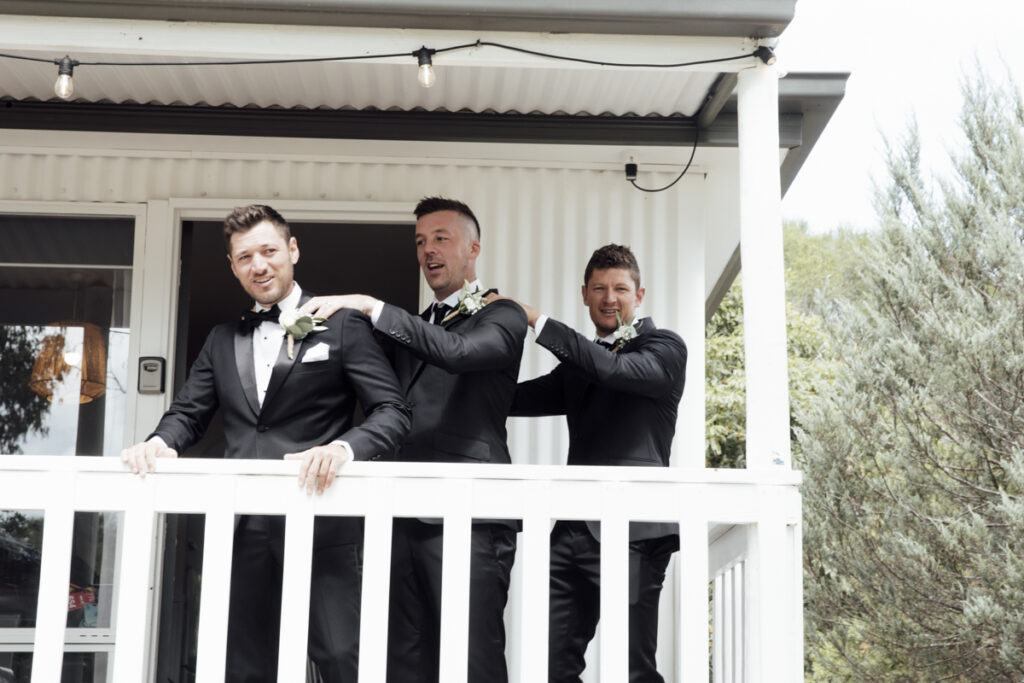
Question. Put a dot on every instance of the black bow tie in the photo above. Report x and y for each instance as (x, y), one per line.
(607, 345)
(441, 312)
(253, 318)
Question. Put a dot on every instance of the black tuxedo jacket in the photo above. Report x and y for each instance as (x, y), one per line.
(620, 407)
(307, 404)
(458, 378)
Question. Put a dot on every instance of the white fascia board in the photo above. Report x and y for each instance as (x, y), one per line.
(84, 38)
(598, 157)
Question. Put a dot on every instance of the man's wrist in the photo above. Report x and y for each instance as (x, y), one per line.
(375, 310)
(539, 324)
(345, 446)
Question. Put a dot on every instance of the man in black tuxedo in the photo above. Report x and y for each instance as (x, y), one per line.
(296, 403)
(458, 366)
(620, 397)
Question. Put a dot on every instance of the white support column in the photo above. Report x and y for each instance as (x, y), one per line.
(764, 287)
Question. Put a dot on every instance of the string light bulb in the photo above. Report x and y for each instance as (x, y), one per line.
(426, 75)
(64, 88)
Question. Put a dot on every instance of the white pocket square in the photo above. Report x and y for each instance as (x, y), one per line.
(316, 353)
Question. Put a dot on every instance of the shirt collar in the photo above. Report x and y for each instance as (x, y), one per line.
(286, 304)
(610, 338)
(454, 298)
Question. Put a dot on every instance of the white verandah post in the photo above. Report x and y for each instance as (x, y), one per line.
(775, 624)
(764, 286)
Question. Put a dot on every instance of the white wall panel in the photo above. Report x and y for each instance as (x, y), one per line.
(539, 223)
(540, 220)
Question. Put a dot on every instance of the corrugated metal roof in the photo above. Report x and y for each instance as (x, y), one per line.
(373, 85)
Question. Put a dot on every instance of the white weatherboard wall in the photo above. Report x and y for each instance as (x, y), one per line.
(542, 212)
(540, 220)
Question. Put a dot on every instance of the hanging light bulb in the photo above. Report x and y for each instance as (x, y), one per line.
(426, 75)
(64, 88)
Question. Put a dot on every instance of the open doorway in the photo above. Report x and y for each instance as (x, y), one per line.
(334, 258)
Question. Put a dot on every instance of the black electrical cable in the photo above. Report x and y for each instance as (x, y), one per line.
(451, 48)
(678, 177)
(622, 64)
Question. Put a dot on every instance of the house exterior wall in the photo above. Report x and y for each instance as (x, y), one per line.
(542, 212)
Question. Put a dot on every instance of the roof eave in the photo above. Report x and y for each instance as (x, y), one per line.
(744, 18)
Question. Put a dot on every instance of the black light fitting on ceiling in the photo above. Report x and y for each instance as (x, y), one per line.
(765, 54)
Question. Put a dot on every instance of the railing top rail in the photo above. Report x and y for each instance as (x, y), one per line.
(220, 466)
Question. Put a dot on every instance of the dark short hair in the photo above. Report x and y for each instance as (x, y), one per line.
(245, 218)
(613, 256)
(429, 205)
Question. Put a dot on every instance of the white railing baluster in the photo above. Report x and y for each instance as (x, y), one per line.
(134, 579)
(738, 630)
(373, 619)
(535, 542)
(295, 585)
(216, 588)
(693, 597)
(454, 656)
(718, 608)
(614, 586)
(751, 519)
(55, 570)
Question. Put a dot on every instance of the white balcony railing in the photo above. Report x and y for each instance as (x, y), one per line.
(739, 530)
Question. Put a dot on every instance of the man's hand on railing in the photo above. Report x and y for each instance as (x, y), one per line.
(320, 465)
(141, 458)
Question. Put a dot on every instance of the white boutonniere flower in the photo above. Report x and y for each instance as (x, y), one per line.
(297, 325)
(623, 333)
(470, 303)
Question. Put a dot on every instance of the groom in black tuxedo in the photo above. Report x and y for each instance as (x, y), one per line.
(620, 397)
(458, 366)
(297, 405)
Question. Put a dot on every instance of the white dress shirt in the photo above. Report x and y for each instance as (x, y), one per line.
(266, 342)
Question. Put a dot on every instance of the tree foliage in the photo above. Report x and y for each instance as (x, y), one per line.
(21, 409)
(914, 453)
(818, 268)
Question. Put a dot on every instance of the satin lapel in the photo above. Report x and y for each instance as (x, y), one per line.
(246, 368)
(282, 366)
(407, 366)
(417, 365)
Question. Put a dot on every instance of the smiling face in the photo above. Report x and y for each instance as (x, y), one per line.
(446, 248)
(611, 290)
(263, 261)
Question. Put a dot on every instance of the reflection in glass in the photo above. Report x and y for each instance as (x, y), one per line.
(21, 542)
(78, 667)
(91, 581)
(65, 291)
(91, 584)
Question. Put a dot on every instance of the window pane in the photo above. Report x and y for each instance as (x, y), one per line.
(91, 585)
(79, 667)
(21, 542)
(15, 667)
(65, 287)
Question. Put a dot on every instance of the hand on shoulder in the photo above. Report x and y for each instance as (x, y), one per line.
(326, 306)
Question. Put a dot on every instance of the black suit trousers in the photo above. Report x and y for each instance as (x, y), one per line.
(576, 600)
(414, 618)
(254, 614)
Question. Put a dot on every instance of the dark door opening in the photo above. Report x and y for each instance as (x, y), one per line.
(339, 258)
